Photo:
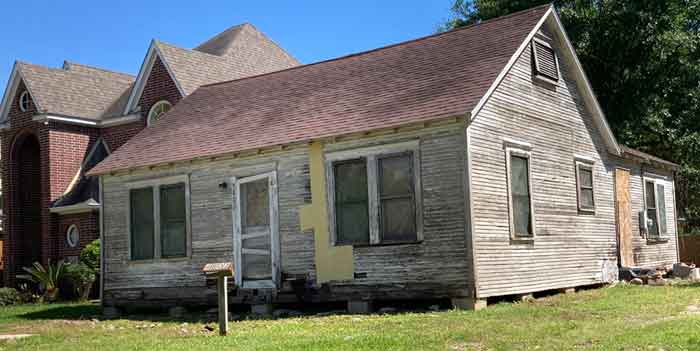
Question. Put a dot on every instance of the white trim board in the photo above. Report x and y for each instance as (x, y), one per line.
(584, 84)
(145, 71)
(88, 122)
(11, 91)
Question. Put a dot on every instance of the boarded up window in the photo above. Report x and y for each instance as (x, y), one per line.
(545, 60)
(142, 224)
(520, 196)
(397, 212)
(661, 205)
(652, 215)
(173, 221)
(586, 197)
(351, 202)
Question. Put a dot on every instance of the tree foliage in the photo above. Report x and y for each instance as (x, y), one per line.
(643, 60)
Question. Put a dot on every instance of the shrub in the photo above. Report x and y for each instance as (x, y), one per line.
(47, 277)
(9, 296)
(81, 278)
(90, 255)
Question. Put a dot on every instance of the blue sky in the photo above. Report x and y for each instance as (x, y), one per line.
(116, 34)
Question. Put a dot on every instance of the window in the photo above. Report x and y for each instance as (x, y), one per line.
(584, 181)
(655, 208)
(351, 202)
(25, 101)
(375, 193)
(522, 219)
(157, 111)
(545, 61)
(159, 219)
(72, 236)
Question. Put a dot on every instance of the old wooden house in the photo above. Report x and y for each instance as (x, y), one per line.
(466, 165)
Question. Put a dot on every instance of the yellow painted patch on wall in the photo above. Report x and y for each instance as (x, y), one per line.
(332, 262)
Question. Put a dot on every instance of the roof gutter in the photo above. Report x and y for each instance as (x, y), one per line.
(80, 121)
(87, 206)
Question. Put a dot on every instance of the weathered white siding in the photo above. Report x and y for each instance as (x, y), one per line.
(569, 248)
(650, 253)
(436, 267)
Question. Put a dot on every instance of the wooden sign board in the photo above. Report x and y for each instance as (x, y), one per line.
(224, 268)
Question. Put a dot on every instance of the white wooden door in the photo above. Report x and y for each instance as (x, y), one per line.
(255, 232)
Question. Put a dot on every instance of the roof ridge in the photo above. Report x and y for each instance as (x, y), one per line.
(67, 62)
(361, 53)
(188, 50)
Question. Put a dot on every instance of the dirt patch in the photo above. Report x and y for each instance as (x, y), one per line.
(14, 336)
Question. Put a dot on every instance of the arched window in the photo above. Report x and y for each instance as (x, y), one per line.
(24, 101)
(72, 236)
(158, 109)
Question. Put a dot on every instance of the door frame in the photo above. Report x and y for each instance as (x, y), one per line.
(274, 230)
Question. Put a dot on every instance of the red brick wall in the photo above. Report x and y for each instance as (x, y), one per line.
(88, 230)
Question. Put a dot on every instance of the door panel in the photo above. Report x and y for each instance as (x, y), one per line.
(255, 231)
(623, 209)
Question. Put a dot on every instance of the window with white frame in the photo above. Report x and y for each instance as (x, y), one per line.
(25, 101)
(375, 195)
(521, 209)
(159, 218)
(158, 110)
(655, 208)
(72, 236)
(585, 186)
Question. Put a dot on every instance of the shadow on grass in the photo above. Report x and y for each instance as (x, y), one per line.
(72, 312)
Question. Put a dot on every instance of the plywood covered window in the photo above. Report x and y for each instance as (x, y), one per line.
(655, 208)
(521, 209)
(375, 195)
(159, 219)
(585, 187)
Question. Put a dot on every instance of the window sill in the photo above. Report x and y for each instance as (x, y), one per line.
(522, 241)
(159, 260)
(651, 241)
(396, 243)
(587, 212)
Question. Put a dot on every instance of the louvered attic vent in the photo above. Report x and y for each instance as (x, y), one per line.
(545, 61)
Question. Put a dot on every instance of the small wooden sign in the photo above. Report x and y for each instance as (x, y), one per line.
(224, 268)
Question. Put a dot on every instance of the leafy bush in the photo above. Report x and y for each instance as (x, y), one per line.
(46, 277)
(90, 255)
(81, 278)
(9, 296)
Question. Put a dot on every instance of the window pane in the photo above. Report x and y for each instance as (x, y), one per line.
(352, 223)
(351, 181)
(351, 204)
(396, 175)
(398, 220)
(255, 204)
(661, 207)
(587, 198)
(520, 197)
(585, 177)
(651, 223)
(142, 236)
(650, 196)
(173, 221)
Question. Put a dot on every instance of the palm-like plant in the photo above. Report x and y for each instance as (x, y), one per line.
(47, 277)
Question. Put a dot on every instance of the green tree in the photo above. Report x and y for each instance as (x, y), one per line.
(643, 60)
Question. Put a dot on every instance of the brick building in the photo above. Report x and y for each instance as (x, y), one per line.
(57, 123)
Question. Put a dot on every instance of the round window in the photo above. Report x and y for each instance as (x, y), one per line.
(72, 236)
(24, 101)
(158, 110)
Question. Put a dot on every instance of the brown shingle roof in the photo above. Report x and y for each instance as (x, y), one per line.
(240, 51)
(644, 157)
(75, 90)
(439, 76)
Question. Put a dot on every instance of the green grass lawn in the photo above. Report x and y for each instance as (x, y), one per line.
(620, 318)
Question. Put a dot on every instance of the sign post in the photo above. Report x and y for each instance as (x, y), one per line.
(221, 271)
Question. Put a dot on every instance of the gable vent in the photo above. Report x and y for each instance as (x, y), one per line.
(545, 61)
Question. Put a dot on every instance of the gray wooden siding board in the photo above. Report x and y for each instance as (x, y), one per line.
(569, 249)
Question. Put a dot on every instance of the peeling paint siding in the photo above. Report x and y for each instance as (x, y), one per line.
(436, 267)
(569, 249)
